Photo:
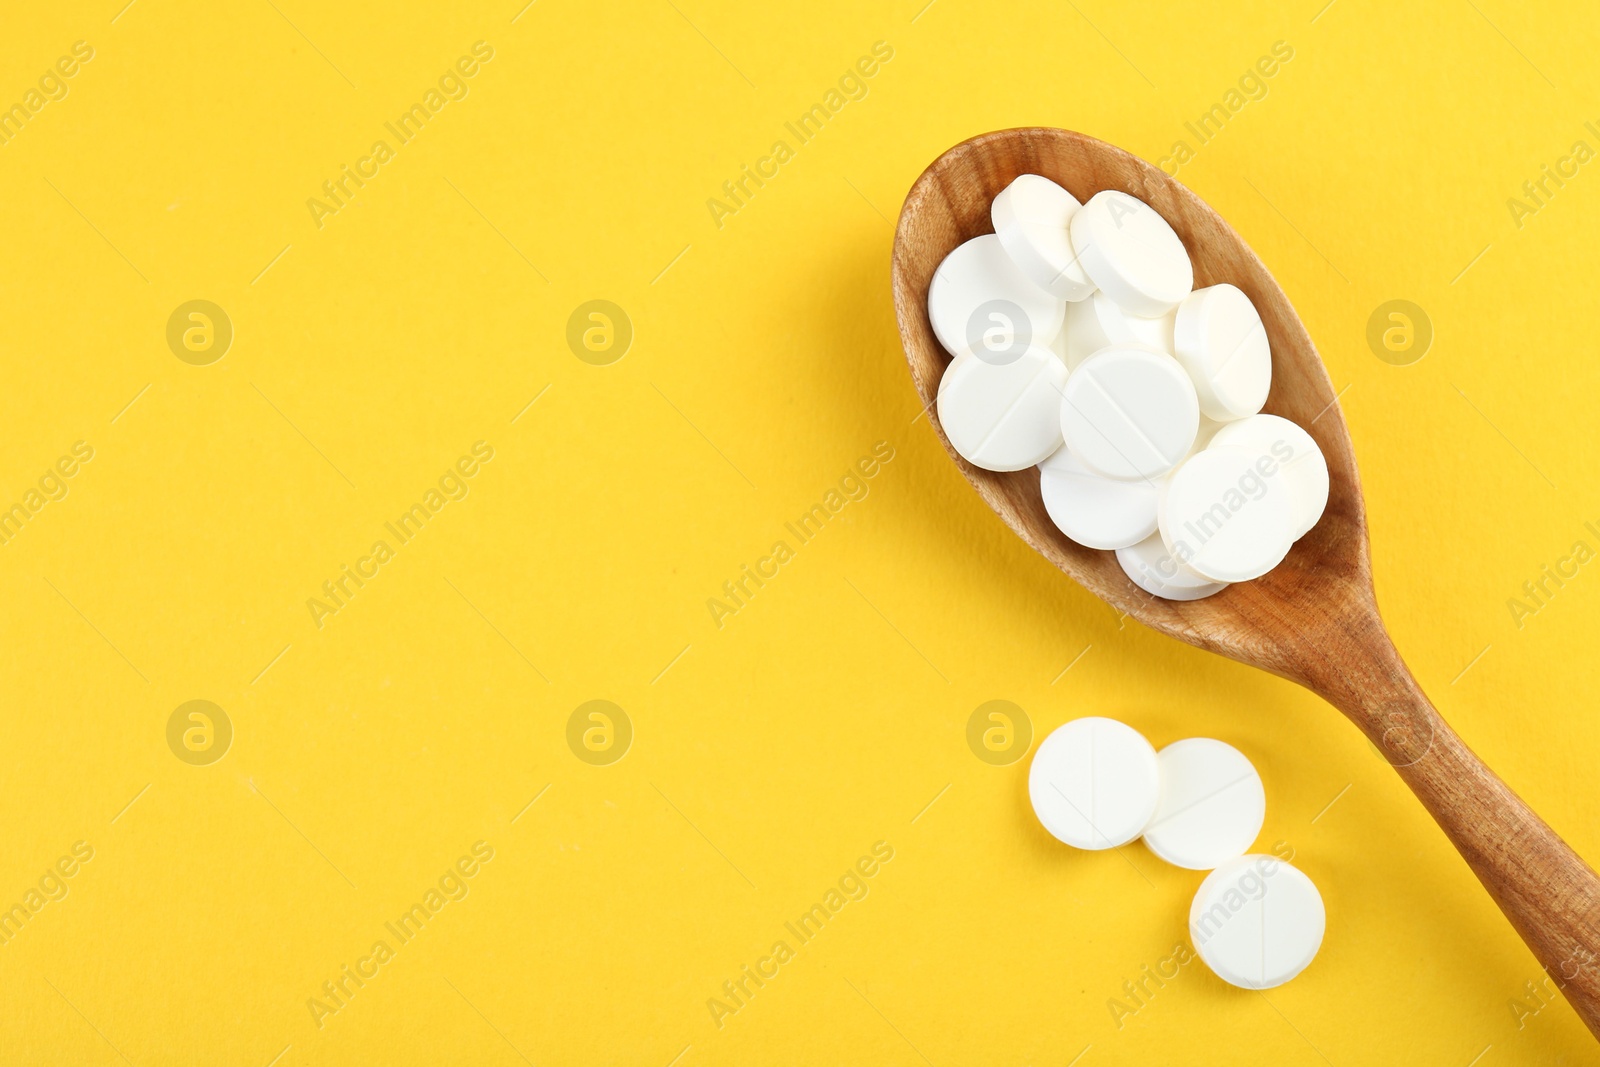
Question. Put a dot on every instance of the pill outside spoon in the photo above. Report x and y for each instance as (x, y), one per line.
(1314, 618)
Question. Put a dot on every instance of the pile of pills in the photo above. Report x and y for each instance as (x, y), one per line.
(1082, 346)
(1097, 783)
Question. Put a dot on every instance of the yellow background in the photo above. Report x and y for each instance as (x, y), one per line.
(826, 715)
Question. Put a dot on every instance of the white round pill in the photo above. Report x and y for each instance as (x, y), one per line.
(1093, 510)
(1129, 413)
(1151, 567)
(980, 300)
(1094, 783)
(1302, 463)
(1003, 417)
(1212, 804)
(1225, 516)
(1257, 922)
(1030, 217)
(1132, 253)
(1219, 339)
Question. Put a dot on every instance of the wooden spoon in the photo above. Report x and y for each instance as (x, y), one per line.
(1313, 619)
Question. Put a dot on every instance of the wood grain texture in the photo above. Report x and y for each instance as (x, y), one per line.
(1314, 618)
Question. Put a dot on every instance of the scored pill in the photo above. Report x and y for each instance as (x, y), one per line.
(1094, 783)
(1212, 804)
(1257, 922)
(1129, 413)
(1003, 417)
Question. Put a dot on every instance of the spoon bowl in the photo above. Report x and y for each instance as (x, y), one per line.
(1314, 618)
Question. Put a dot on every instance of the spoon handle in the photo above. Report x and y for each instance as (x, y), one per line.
(1546, 889)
